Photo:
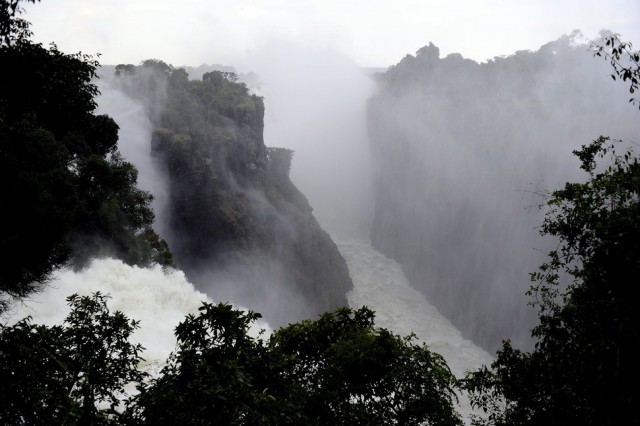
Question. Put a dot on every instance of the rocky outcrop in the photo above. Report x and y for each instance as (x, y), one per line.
(237, 225)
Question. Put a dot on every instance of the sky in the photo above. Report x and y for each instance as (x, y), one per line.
(372, 33)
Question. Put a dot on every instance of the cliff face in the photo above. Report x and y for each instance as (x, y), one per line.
(238, 227)
(461, 150)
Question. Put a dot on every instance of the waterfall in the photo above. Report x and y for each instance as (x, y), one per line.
(159, 299)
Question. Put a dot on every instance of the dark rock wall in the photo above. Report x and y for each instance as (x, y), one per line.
(238, 227)
(461, 153)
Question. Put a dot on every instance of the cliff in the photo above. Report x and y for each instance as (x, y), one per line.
(463, 153)
(238, 227)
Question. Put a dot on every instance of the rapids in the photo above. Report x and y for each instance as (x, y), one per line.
(160, 299)
(380, 284)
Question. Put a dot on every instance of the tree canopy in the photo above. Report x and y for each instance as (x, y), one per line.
(624, 61)
(67, 192)
(342, 370)
(62, 374)
(339, 370)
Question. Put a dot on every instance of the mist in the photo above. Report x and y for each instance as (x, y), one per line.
(294, 160)
(464, 153)
(158, 298)
(315, 104)
(235, 223)
(441, 163)
(135, 144)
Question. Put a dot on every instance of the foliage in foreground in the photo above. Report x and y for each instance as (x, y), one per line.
(343, 370)
(337, 370)
(584, 369)
(67, 193)
(62, 374)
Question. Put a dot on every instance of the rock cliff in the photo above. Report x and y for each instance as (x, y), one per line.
(463, 153)
(236, 224)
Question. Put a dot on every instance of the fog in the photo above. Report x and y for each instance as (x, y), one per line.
(442, 163)
(375, 33)
(240, 232)
(315, 104)
(135, 145)
(463, 155)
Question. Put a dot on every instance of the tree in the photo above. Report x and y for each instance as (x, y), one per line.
(219, 374)
(12, 27)
(57, 375)
(624, 61)
(584, 369)
(67, 193)
(337, 370)
(345, 371)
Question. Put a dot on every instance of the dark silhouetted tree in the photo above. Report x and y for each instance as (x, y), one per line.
(343, 370)
(338, 370)
(66, 190)
(70, 374)
(584, 368)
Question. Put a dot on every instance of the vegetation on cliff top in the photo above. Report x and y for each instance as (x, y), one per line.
(231, 203)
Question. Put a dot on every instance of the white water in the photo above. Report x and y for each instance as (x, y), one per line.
(135, 146)
(380, 284)
(161, 299)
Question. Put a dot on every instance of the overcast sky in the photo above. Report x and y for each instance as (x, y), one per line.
(371, 32)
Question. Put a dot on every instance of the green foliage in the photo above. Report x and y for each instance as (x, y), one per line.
(584, 368)
(337, 370)
(625, 61)
(218, 375)
(12, 28)
(218, 78)
(34, 384)
(71, 374)
(66, 190)
(344, 371)
(115, 216)
(125, 69)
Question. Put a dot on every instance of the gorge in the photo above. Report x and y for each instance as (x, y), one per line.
(300, 183)
(385, 163)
